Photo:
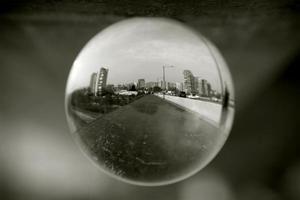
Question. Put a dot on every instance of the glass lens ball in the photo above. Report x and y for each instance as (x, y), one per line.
(150, 101)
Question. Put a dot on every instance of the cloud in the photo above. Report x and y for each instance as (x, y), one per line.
(138, 48)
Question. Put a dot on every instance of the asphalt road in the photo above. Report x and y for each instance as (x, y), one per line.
(149, 139)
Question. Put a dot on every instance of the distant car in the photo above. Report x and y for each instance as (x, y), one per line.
(193, 97)
(182, 94)
(214, 99)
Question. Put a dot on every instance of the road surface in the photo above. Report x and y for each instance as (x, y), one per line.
(149, 139)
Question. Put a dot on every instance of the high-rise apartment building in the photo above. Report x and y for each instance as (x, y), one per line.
(204, 88)
(101, 81)
(179, 86)
(141, 83)
(93, 82)
(98, 81)
(209, 90)
(171, 86)
(188, 81)
(151, 84)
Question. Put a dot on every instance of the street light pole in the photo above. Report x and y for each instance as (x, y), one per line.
(164, 78)
(164, 82)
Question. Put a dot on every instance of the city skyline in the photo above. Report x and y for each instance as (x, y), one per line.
(191, 84)
(145, 52)
(159, 77)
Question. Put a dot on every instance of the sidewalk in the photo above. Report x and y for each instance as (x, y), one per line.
(208, 110)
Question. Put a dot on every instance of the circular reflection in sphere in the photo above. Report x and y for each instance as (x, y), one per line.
(150, 101)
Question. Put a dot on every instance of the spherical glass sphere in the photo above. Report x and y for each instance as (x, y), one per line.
(150, 101)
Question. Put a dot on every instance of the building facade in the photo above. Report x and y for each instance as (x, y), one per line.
(188, 81)
(141, 84)
(171, 86)
(151, 84)
(93, 82)
(179, 86)
(204, 88)
(101, 81)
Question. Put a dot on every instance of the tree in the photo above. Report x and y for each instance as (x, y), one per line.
(132, 88)
(156, 89)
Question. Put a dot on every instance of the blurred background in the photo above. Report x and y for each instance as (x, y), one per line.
(39, 41)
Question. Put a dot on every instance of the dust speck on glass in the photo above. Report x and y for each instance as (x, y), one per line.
(150, 101)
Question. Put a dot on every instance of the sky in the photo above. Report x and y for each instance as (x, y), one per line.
(138, 48)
